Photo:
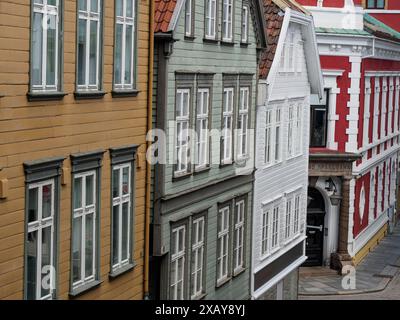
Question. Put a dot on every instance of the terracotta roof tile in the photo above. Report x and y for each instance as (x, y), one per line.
(163, 12)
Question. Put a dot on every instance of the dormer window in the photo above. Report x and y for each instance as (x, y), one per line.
(375, 4)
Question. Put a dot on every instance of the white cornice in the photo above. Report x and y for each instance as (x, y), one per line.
(332, 73)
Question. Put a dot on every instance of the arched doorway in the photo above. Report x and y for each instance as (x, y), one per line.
(315, 228)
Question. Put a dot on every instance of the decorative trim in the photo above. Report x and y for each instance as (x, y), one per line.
(123, 154)
(86, 161)
(43, 169)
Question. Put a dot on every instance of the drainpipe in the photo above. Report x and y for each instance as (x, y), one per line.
(148, 165)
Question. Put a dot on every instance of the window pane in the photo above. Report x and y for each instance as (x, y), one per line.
(46, 260)
(81, 51)
(33, 205)
(94, 6)
(125, 181)
(89, 245)
(318, 129)
(31, 249)
(37, 47)
(115, 236)
(115, 188)
(118, 55)
(51, 50)
(46, 201)
(93, 53)
(82, 5)
(128, 54)
(119, 7)
(76, 248)
(89, 190)
(125, 231)
(129, 8)
(77, 193)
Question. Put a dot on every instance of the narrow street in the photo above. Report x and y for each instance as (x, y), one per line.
(392, 292)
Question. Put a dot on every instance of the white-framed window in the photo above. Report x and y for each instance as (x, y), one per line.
(227, 20)
(372, 197)
(291, 133)
(202, 114)
(278, 129)
(121, 215)
(245, 23)
(40, 239)
(291, 53)
(288, 218)
(211, 19)
(300, 56)
(189, 18)
(89, 44)
(198, 254)
(238, 239)
(275, 228)
(265, 240)
(125, 48)
(227, 122)
(178, 263)
(45, 50)
(243, 122)
(84, 228)
(268, 137)
(288, 54)
(297, 213)
(182, 116)
(223, 244)
(298, 148)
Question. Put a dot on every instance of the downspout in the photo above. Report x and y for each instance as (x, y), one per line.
(148, 165)
(373, 50)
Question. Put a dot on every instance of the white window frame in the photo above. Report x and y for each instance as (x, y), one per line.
(299, 130)
(39, 225)
(182, 146)
(47, 10)
(291, 53)
(176, 256)
(243, 123)
(275, 225)
(245, 22)
(278, 140)
(227, 118)
(385, 92)
(297, 214)
(188, 18)
(288, 218)
(239, 233)
(223, 243)
(300, 56)
(227, 20)
(211, 19)
(291, 132)
(126, 21)
(288, 55)
(83, 212)
(269, 127)
(198, 245)
(120, 201)
(265, 227)
(202, 116)
(90, 16)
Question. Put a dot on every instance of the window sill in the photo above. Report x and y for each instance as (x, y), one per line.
(239, 272)
(181, 177)
(227, 43)
(189, 38)
(124, 93)
(268, 166)
(244, 44)
(210, 40)
(122, 270)
(85, 288)
(80, 95)
(225, 164)
(201, 170)
(45, 96)
(199, 297)
(221, 283)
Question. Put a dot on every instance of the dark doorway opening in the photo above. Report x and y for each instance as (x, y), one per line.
(315, 228)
